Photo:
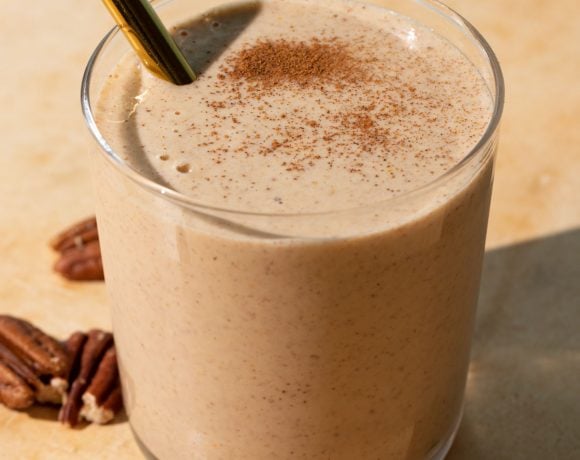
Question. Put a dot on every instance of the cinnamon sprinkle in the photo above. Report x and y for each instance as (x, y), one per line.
(274, 62)
(327, 65)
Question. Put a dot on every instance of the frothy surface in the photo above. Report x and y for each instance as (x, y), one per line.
(397, 107)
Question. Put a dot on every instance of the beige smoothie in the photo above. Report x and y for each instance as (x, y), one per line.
(305, 290)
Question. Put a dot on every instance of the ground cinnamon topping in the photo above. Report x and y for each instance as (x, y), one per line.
(316, 61)
(328, 65)
(324, 69)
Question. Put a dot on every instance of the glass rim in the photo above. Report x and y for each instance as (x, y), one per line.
(187, 201)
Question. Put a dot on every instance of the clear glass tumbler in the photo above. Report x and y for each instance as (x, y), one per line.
(244, 335)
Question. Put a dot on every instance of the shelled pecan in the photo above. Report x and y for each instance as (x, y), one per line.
(34, 365)
(80, 252)
(14, 391)
(74, 346)
(95, 392)
(79, 234)
(103, 398)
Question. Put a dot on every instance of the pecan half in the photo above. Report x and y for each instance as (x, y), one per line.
(77, 235)
(14, 391)
(39, 351)
(81, 263)
(103, 396)
(104, 412)
(74, 346)
(97, 344)
(33, 364)
(80, 252)
(51, 391)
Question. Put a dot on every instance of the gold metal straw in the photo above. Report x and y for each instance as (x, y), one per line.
(151, 40)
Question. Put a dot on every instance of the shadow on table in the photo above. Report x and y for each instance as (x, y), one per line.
(50, 414)
(523, 392)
